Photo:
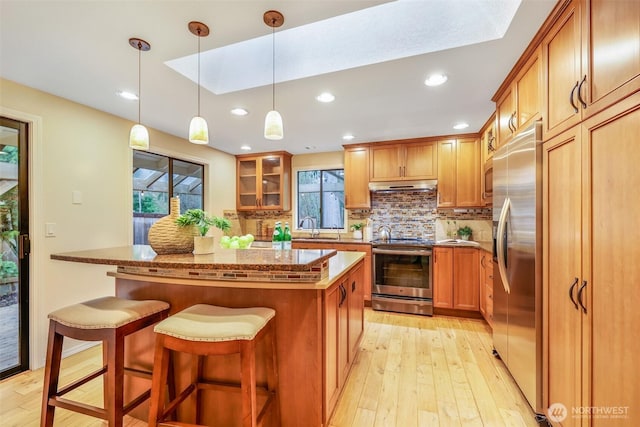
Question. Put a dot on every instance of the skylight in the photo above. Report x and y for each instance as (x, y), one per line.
(386, 32)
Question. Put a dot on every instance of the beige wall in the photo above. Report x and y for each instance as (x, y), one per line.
(76, 148)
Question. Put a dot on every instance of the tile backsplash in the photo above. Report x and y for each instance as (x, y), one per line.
(407, 213)
(414, 214)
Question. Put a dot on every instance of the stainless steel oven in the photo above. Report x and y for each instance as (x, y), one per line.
(403, 276)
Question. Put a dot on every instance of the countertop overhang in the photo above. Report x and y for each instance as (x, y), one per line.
(222, 259)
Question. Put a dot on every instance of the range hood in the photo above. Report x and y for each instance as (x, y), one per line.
(403, 185)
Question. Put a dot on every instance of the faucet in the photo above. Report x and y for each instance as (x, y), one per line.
(314, 231)
(335, 227)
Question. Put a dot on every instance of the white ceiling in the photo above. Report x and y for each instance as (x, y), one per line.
(79, 50)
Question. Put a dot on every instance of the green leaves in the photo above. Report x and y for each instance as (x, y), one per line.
(202, 221)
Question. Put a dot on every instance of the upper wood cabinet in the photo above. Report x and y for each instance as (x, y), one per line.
(403, 161)
(488, 142)
(521, 102)
(356, 178)
(459, 173)
(591, 59)
(456, 278)
(263, 182)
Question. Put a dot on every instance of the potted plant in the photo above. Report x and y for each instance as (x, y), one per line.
(357, 230)
(201, 220)
(464, 232)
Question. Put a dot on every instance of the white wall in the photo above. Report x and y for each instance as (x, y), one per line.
(76, 148)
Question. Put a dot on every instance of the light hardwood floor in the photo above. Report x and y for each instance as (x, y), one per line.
(411, 371)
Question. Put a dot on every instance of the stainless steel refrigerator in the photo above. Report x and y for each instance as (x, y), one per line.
(517, 286)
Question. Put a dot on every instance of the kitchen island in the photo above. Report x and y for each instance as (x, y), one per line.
(319, 322)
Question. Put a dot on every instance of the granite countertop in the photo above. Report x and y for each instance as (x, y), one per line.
(486, 246)
(223, 259)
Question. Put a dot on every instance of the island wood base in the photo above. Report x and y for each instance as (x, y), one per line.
(305, 344)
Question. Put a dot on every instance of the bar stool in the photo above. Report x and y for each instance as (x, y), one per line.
(109, 320)
(208, 330)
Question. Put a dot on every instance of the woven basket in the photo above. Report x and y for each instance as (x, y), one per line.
(167, 237)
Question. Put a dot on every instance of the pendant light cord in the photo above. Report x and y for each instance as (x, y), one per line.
(273, 65)
(139, 85)
(199, 71)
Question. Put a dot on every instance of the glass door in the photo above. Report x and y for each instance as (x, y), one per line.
(14, 248)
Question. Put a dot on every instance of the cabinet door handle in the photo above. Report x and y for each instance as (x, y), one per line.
(353, 286)
(571, 288)
(573, 91)
(584, 285)
(513, 122)
(584, 104)
(404, 171)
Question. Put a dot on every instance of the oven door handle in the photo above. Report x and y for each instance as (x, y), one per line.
(425, 252)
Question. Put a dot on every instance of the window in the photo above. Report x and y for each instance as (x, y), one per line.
(156, 179)
(321, 196)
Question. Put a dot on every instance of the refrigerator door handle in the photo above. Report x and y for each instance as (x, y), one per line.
(502, 265)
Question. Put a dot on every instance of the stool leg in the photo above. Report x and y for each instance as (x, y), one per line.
(114, 399)
(272, 374)
(159, 377)
(193, 411)
(248, 383)
(51, 375)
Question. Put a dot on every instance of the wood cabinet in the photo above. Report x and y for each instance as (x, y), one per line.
(344, 324)
(456, 277)
(403, 161)
(521, 102)
(591, 60)
(486, 286)
(263, 182)
(590, 265)
(355, 288)
(349, 247)
(356, 178)
(337, 342)
(459, 177)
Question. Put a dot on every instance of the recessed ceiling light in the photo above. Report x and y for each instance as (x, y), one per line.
(348, 137)
(239, 112)
(435, 80)
(245, 147)
(128, 95)
(325, 97)
(459, 126)
(310, 147)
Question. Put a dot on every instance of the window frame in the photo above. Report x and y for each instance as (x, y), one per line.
(294, 204)
(171, 159)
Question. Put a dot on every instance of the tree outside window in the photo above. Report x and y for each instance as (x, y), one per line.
(321, 196)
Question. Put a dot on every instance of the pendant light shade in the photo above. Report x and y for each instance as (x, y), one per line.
(139, 135)
(273, 128)
(273, 125)
(198, 129)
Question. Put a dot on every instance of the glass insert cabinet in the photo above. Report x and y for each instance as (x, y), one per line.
(263, 182)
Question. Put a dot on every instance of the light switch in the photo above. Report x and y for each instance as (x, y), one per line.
(76, 197)
(50, 229)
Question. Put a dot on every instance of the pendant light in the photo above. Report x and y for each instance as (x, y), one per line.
(273, 128)
(139, 136)
(198, 129)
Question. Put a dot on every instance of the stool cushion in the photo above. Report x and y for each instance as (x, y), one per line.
(204, 322)
(107, 312)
